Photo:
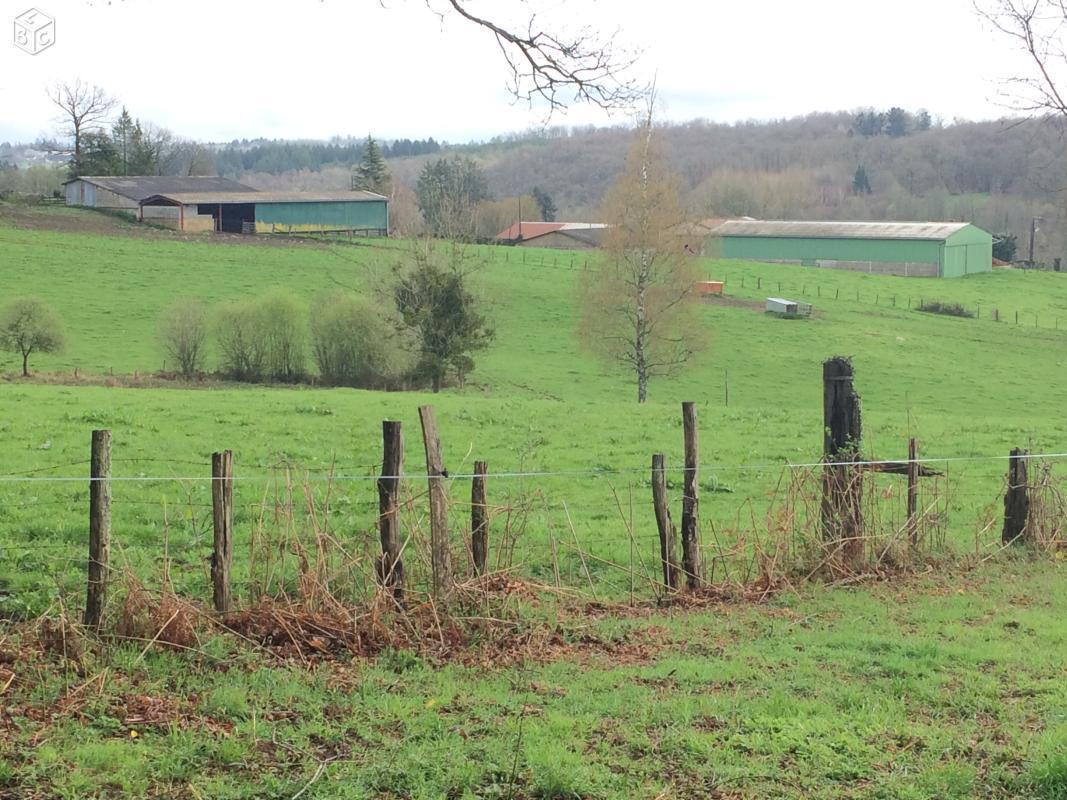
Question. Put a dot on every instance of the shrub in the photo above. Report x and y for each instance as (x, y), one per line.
(283, 326)
(353, 342)
(949, 309)
(263, 339)
(183, 333)
(239, 341)
(29, 326)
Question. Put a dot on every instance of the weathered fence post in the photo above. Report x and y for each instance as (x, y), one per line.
(99, 527)
(222, 514)
(390, 566)
(440, 558)
(913, 492)
(667, 532)
(479, 518)
(692, 561)
(842, 511)
(1016, 499)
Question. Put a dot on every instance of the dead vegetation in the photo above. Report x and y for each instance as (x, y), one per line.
(312, 595)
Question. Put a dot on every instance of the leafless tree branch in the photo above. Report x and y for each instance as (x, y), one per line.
(1037, 27)
(558, 69)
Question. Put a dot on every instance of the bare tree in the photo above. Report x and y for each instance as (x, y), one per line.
(560, 68)
(1038, 28)
(155, 150)
(182, 330)
(637, 299)
(84, 108)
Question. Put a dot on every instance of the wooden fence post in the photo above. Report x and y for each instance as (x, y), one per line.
(440, 558)
(479, 518)
(99, 528)
(692, 561)
(913, 492)
(842, 510)
(1016, 499)
(222, 514)
(667, 533)
(390, 566)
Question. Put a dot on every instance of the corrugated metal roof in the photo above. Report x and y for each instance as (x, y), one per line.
(839, 230)
(531, 230)
(138, 187)
(252, 196)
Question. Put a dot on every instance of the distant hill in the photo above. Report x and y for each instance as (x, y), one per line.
(865, 164)
(998, 174)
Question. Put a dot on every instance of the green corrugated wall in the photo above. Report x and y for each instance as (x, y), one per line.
(780, 248)
(965, 252)
(329, 215)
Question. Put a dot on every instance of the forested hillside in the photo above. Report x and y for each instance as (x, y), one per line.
(998, 174)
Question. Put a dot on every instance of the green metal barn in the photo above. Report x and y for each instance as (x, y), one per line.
(363, 213)
(920, 249)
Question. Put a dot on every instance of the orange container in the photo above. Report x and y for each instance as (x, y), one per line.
(708, 287)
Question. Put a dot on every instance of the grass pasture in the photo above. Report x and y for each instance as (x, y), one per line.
(947, 686)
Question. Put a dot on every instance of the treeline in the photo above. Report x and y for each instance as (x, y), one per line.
(280, 155)
(997, 174)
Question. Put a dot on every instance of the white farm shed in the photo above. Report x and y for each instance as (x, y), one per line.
(779, 305)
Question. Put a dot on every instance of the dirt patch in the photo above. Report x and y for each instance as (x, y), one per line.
(733, 302)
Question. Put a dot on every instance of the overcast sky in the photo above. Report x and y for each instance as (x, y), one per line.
(224, 69)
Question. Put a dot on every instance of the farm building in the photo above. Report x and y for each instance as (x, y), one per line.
(249, 211)
(563, 235)
(125, 193)
(927, 249)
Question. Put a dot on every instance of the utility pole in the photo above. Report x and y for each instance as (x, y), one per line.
(1033, 231)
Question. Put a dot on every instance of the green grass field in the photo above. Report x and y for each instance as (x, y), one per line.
(936, 698)
(537, 402)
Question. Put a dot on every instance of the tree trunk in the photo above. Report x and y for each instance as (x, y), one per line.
(25, 365)
(640, 361)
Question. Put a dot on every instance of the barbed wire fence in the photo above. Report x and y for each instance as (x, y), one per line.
(292, 529)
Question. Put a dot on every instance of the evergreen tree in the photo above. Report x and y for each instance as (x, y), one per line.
(896, 122)
(922, 121)
(861, 184)
(98, 155)
(121, 132)
(545, 203)
(869, 123)
(371, 174)
(1004, 247)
